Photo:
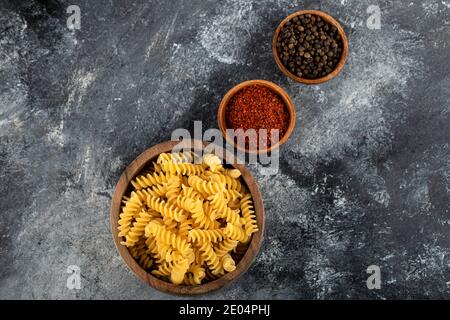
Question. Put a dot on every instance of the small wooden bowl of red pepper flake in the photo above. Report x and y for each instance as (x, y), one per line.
(256, 116)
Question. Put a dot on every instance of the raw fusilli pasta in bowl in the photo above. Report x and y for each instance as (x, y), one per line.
(185, 222)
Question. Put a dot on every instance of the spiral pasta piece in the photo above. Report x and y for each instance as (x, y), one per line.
(233, 173)
(231, 183)
(218, 202)
(129, 212)
(170, 223)
(198, 271)
(189, 280)
(235, 232)
(184, 228)
(225, 247)
(179, 270)
(205, 187)
(190, 256)
(196, 208)
(166, 210)
(138, 229)
(182, 168)
(190, 192)
(173, 188)
(159, 253)
(142, 194)
(228, 263)
(250, 225)
(213, 162)
(151, 244)
(231, 195)
(149, 180)
(210, 276)
(154, 248)
(162, 234)
(202, 236)
(164, 157)
(205, 175)
(199, 259)
(138, 249)
(157, 168)
(180, 157)
(158, 190)
(189, 204)
(149, 192)
(195, 276)
(211, 213)
(139, 252)
(145, 261)
(165, 252)
(164, 269)
(211, 258)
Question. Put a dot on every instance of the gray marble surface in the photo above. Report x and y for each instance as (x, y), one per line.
(364, 179)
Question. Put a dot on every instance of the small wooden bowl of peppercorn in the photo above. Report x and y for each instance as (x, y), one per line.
(256, 104)
(310, 47)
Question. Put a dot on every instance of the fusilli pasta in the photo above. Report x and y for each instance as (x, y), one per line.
(149, 180)
(248, 214)
(187, 223)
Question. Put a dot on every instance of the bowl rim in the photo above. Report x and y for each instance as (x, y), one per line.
(342, 60)
(221, 113)
(134, 169)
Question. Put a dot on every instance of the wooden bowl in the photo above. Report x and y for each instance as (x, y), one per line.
(331, 21)
(122, 189)
(221, 113)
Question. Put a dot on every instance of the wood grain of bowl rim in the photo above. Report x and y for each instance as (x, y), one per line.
(328, 19)
(221, 113)
(122, 187)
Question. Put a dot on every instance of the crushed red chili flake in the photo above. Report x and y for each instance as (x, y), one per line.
(257, 107)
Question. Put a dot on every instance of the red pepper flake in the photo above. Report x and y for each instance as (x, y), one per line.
(257, 107)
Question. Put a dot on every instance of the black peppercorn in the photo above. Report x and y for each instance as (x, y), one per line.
(309, 47)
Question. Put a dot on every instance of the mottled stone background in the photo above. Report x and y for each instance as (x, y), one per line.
(365, 178)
